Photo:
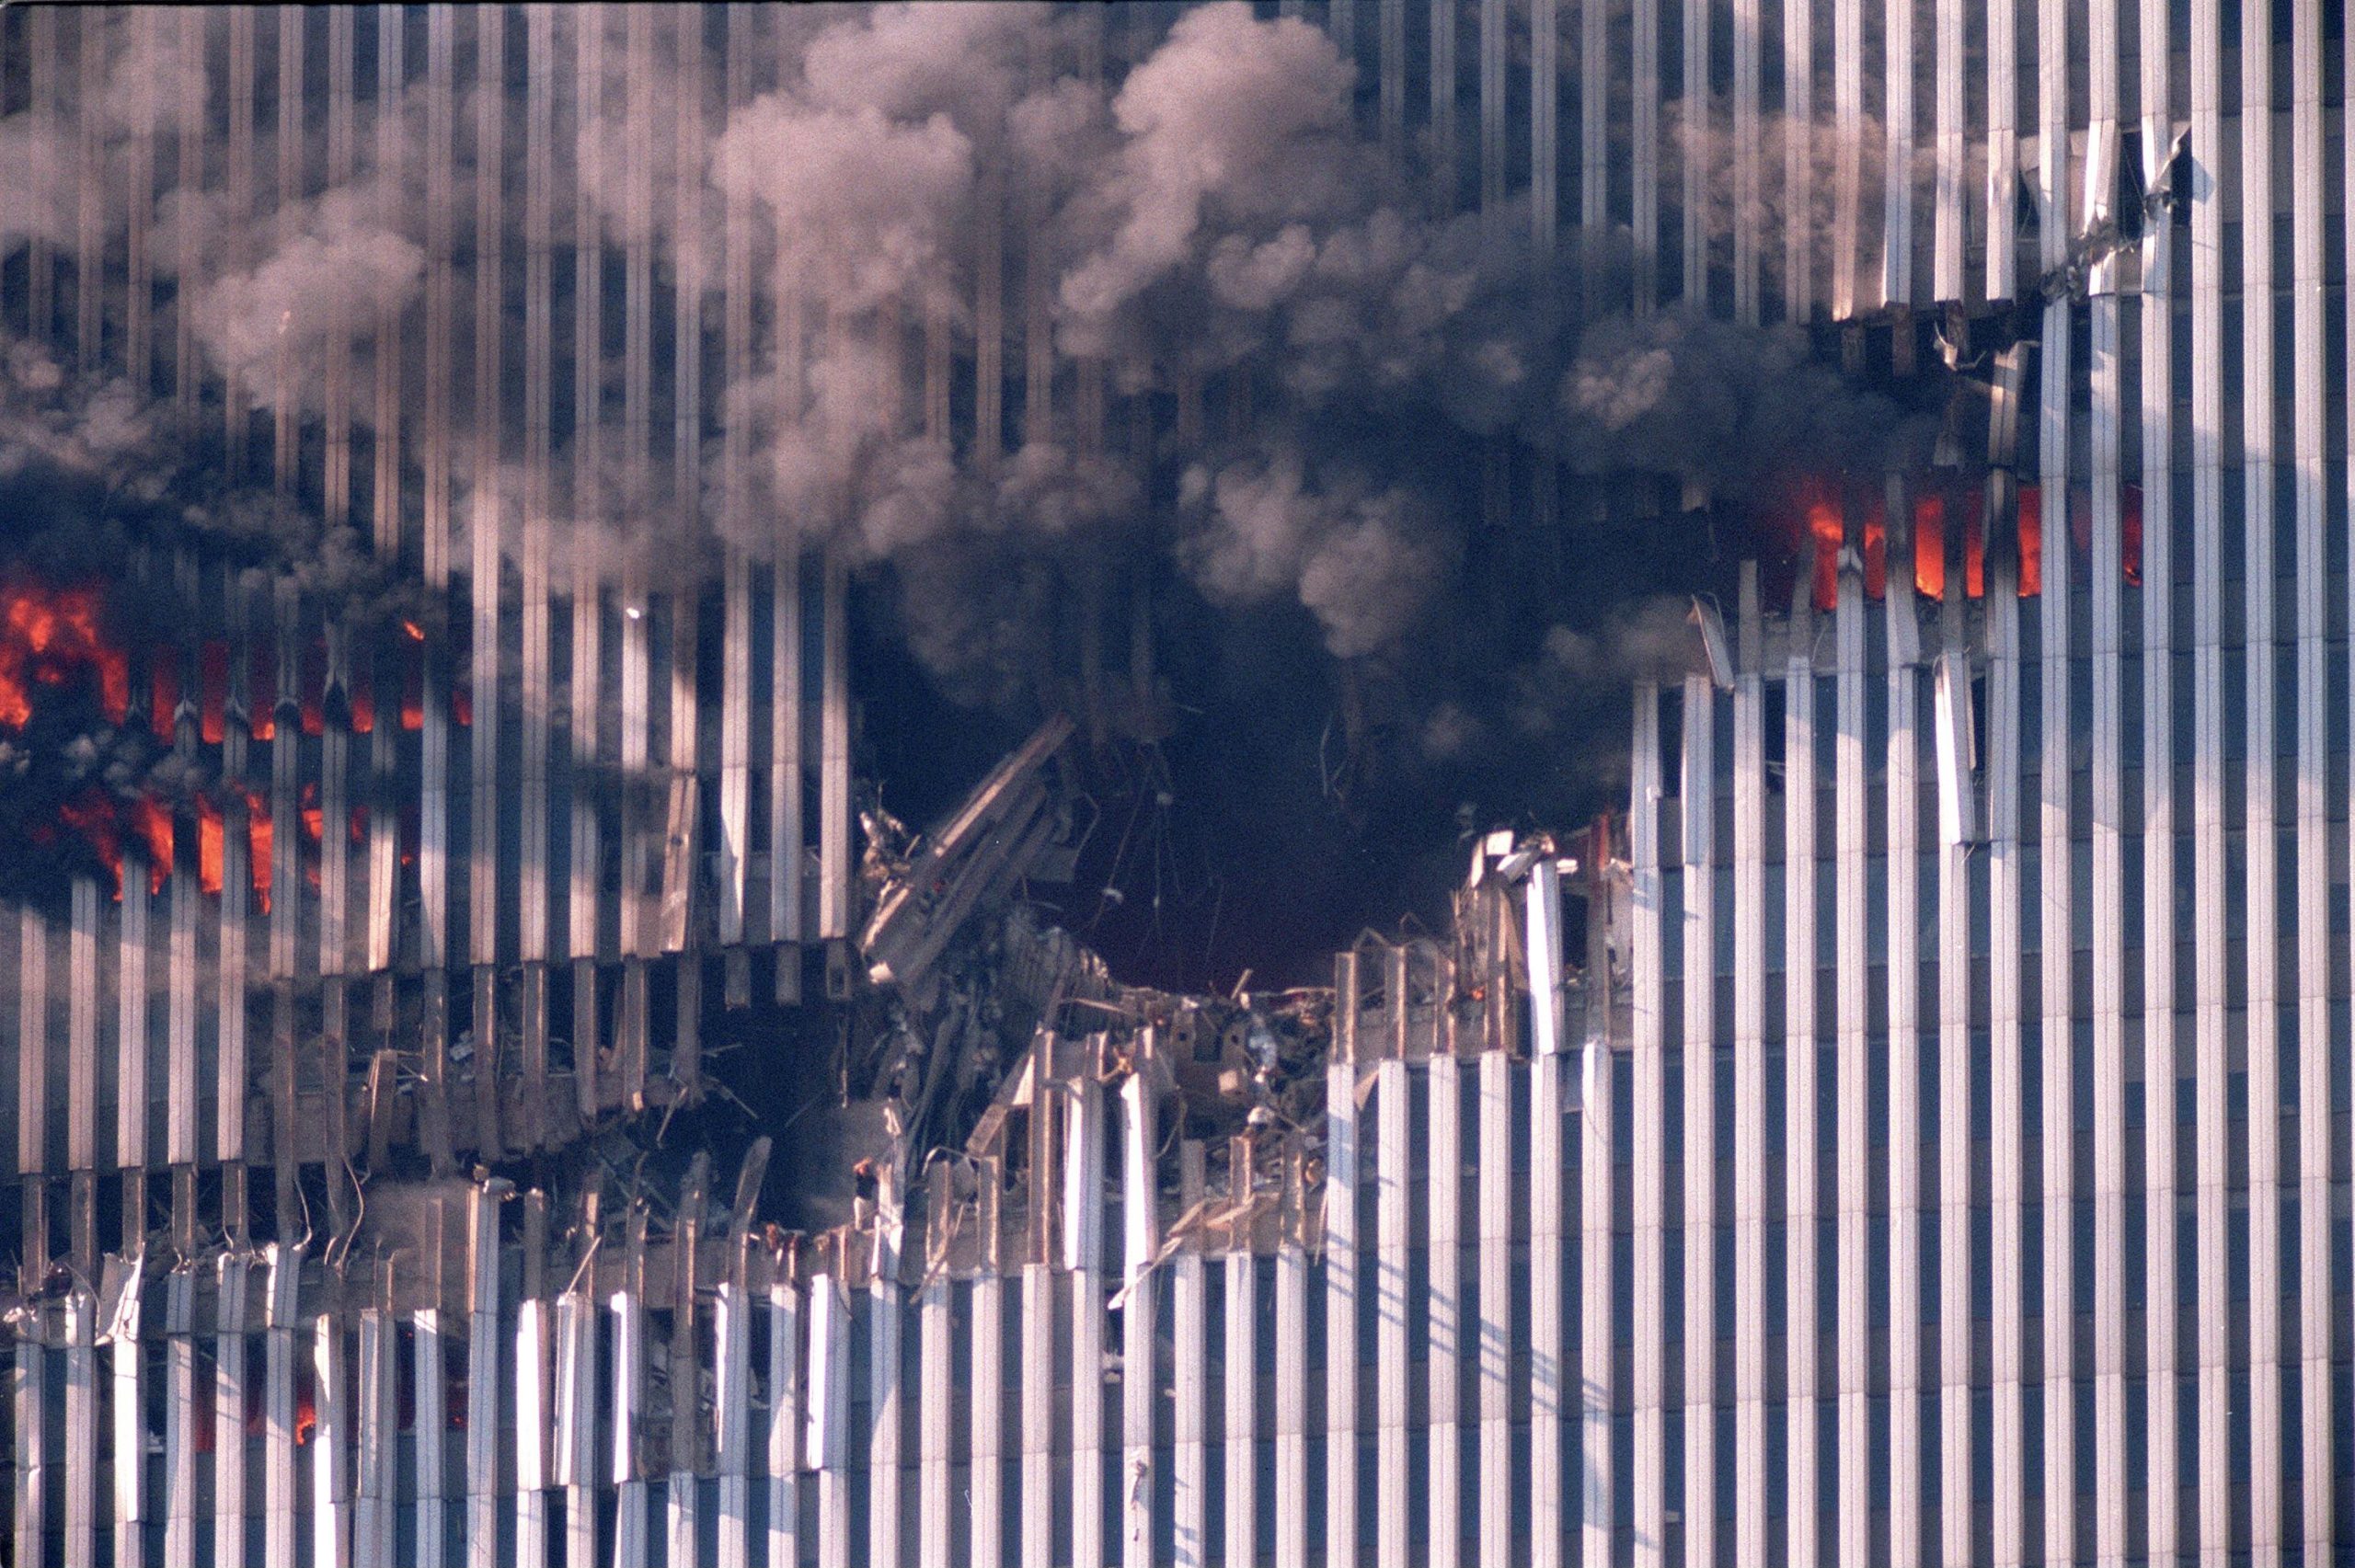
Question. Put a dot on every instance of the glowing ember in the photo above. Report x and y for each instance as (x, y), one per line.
(50, 637)
(416, 632)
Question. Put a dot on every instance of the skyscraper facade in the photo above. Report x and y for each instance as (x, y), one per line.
(1937, 1152)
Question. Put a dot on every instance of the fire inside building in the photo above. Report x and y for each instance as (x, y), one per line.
(493, 502)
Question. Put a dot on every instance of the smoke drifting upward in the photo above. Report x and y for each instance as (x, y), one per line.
(1235, 360)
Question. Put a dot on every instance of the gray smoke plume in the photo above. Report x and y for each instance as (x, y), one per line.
(1203, 206)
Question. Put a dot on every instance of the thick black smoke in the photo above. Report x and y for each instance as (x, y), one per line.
(1351, 647)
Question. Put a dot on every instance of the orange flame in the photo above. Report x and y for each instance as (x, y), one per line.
(208, 844)
(1824, 525)
(92, 814)
(152, 823)
(1930, 545)
(261, 834)
(48, 637)
(2031, 541)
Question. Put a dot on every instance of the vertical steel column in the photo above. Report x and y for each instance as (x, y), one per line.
(1494, 1165)
(1643, 141)
(330, 1454)
(630, 1508)
(731, 1354)
(1801, 1181)
(1190, 1428)
(1599, 1289)
(1038, 1408)
(1903, 839)
(82, 1047)
(2211, 1126)
(833, 756)
(828, 1445)
(1699, 850)
(1647, 966)
(1847, 158)
(1958, 1161)
(2162, 1482)
(2002, 215)
(1694, 165)
(532, 1470)
(2261, 892)
(32, 1045)
(1896, 119)
(131, 1028)
(1851, 1127)
(2105, 368)
(1444, 1316)
(1749, 193)
(486, 1443)
(384, 509)
(2310, 405)
(986, 1438)
(1084, 1260)
(785, 1384)
(28, 1400)
(377, 1470)
(535, 690)
(1291, 1427)
(179, 1419)
(1139, 1371)
(1341, 1294)
(735, 528)
(934, 1539)
(1750, 1173)
(1239, 1371)
(587, 619)
(128, 1455)
(575, 1419)
(283, 1270)
(2056, 1044)
(1798, 195)
(1394, 1168)
(2006, 1177)
(80, 1542)
(430, 1401)
(1947, 220)
(229, 1411)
